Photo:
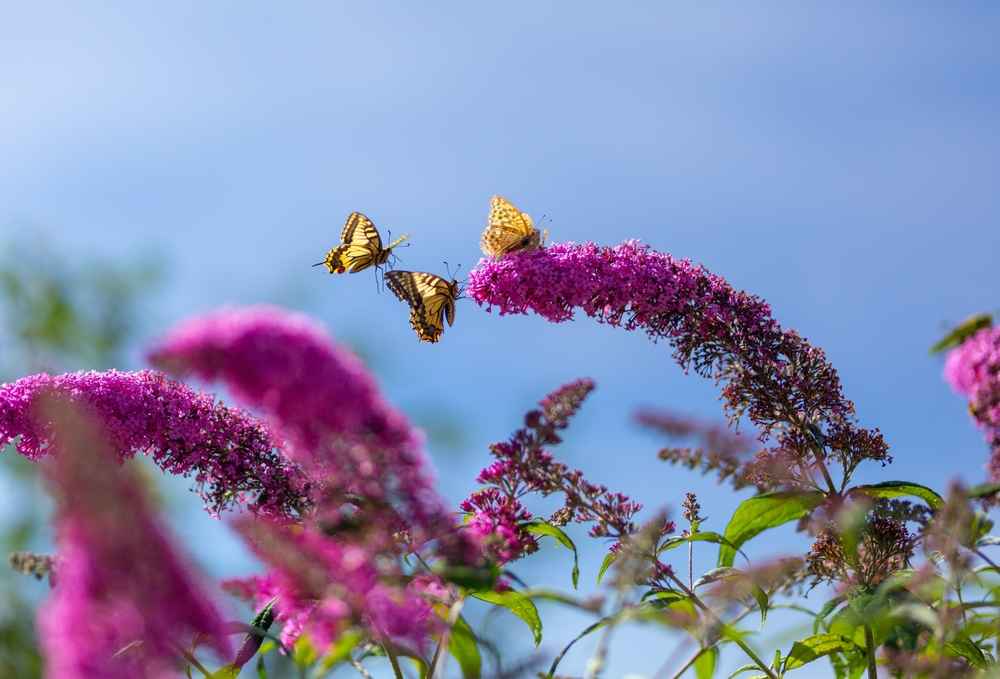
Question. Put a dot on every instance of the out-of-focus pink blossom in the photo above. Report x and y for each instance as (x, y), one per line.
(231, 453)
(328, 585)
(120, 579)
(319, 396)
(973, 369)
(374, 498)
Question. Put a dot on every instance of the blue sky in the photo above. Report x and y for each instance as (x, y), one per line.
(840, 160)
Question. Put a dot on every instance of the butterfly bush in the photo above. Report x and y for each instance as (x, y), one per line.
(232, 454)
(374, 499)
(121, 583)
(785, 386)
(973, 369)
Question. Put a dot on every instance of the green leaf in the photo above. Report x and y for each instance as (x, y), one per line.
(759, 513)
(541, 528)
(983, 490)
(251, 642)
(473, 578)
(827, 609)
(817, 646)
(704, 664)
(958, 334)
(664, 597)
(889, 489)
(519, 605)
(717, 574)
(745, 668)
(465, 650)
(341, 650)
(608, 560)
(965, 647)
(419, 663)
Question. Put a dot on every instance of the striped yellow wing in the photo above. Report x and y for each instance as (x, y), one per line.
(362, 247)
(507, 230)
(431, 299)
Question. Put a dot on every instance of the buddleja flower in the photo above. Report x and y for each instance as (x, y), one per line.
(524, 466)
(125, 600)
(373, 501)
(865, 541)
(231, 453)
(320, 398)
(973, 369)
(719, 448)
(786, 387)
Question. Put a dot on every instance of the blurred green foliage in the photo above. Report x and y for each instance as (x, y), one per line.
(62, 314)
(58, 313)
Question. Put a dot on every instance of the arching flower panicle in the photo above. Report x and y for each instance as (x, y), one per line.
(232, 454)
(772, 376)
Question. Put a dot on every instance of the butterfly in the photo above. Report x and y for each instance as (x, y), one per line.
(509, 230)
(431, 299)
(362, 247)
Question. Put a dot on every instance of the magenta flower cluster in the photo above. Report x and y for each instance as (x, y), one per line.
(973, 369)
(524, 466)
(231, 453)
(373, 498)
(324, 584)
(783, 384)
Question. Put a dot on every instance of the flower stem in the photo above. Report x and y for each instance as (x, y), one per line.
(453, 616)
(735, 638)
(870, 652)
(390, 653)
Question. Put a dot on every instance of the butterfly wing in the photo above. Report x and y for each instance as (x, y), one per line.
(431, 299)
(507, 230)
(360, 231)
(362, 247)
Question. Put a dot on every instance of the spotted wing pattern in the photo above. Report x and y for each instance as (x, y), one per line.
(431, 299)
(508, 230)
(362, 247)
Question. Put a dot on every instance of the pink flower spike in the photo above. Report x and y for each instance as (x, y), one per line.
(785, 386)
(973, 369)
(319, 396)
(231, 453)
(121, 583)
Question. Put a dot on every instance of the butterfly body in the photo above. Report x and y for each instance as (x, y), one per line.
(362, 247)
(508, 230)
(431, 299)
